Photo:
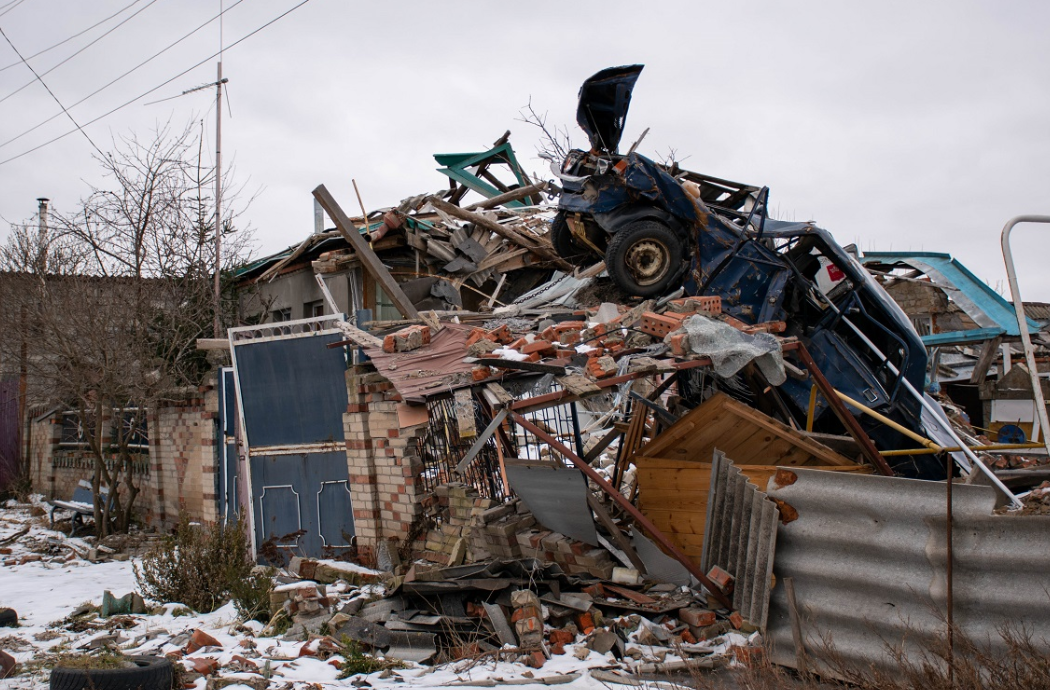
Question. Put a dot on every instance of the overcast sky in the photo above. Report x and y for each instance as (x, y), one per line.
(904, 126)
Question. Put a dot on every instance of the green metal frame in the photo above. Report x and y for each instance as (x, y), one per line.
(456, 164)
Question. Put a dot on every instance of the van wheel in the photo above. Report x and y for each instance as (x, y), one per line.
(563, 241)
(643, 258)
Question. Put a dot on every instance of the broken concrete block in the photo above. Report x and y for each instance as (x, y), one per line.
(524, 597)
(602, 641)
(626, 576)
(482, 347)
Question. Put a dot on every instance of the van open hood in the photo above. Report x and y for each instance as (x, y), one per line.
(604, 100)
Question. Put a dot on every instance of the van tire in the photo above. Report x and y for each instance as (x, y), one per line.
(147, 673)
(564, 243)
(644, 257)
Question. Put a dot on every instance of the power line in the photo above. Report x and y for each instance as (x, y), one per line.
(158, 86)
(76, 35)
(12, 5)
(79, 128)
(114, 81)
(122, 23)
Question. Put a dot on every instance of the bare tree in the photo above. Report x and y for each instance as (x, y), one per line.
(555, 143)
(112, 298)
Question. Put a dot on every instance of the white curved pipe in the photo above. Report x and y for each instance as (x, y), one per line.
(1022, 323)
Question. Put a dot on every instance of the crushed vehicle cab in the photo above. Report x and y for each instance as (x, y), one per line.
(626, 209)
(660, 228)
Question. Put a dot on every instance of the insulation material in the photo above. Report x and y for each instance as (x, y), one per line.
(730, 350)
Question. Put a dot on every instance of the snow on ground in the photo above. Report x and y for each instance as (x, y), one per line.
(45, 592)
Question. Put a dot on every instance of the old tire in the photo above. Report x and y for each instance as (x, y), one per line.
(148, 673)
(563, 241)
(8, 618)
(643, 258)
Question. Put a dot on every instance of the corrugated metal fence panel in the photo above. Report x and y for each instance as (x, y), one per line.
(10, 438)
(867, 555)
(741, 536)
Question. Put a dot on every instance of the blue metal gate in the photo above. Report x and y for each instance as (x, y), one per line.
(291, 397)
(228, 475)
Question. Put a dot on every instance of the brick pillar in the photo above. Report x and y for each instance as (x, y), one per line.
(359, 458)
(383, 461)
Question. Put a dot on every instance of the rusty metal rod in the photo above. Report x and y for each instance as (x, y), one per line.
(839, 408)
(948, 575)
(558, 397)
(642, 521)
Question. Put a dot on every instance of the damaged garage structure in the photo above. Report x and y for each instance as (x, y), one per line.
(629, 374)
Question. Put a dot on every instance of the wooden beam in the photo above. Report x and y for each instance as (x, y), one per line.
(368, 258)
(213, 343)
(513, 195)
(617, 536)
(534, 244)
(839, 408)
(461, 468)
(602, 444)
(989, 352)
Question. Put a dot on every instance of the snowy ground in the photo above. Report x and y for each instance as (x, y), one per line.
(46, 592)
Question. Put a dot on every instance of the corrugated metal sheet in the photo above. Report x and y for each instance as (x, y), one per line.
(981, 303)
(740, 537)
(867, 555)
(430, 369)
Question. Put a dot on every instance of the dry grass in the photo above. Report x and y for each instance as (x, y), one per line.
(1025, 664)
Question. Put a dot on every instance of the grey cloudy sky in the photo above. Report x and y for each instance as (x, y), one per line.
(896, 125)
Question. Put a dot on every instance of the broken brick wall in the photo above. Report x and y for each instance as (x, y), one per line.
(184, 457)
(57, 468)
(176, 473)
(382, 459)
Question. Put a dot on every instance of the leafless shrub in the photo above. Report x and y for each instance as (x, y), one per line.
(103, 306)
(555, 143)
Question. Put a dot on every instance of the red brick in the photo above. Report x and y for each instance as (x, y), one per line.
(700, 618)
(543, 347)
(658, 325)
(557, 649)
(585, 623)
(679, 343)
(500, 335)
(535, 660)
(736, 620)
(721, 578)
(562, 637)
(750, 655)
(200, 639)
(523, 613)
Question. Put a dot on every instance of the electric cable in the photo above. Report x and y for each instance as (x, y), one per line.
(114, 81)
(79, 128)
(11, 5)
(158, 86)
(52, 69)
(76, 35)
